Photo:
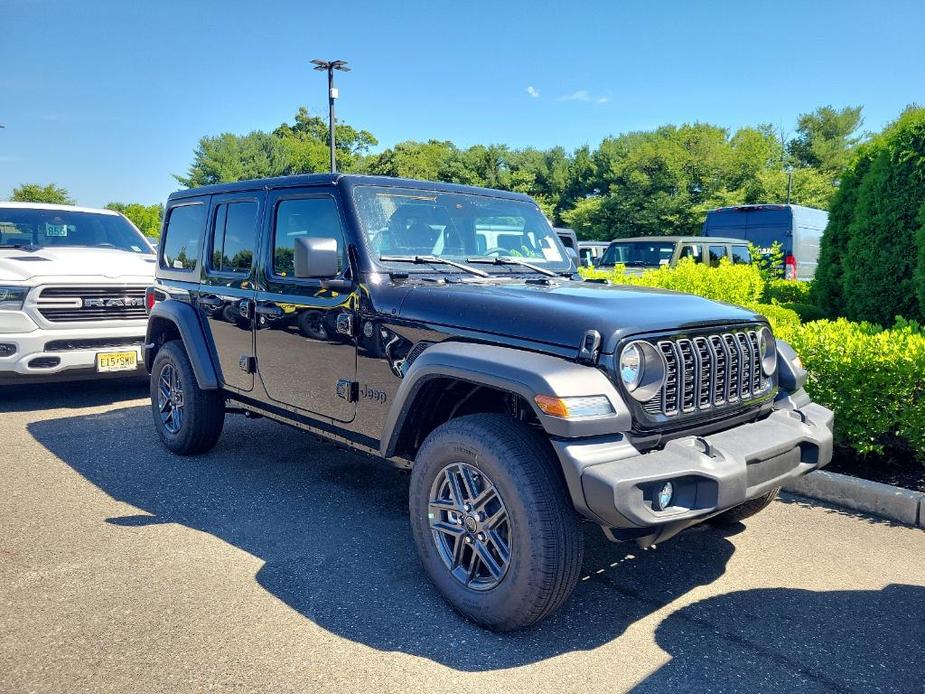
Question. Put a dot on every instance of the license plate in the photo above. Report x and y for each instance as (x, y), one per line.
(117, 361)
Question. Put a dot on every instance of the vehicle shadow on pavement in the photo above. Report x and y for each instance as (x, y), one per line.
(786, 640)
(33, 397)
(332, 529)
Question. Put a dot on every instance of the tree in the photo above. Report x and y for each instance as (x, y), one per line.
(879, 265)
(36, 192)
(826, 137)
(300, 147)
(148, 218)
(421, 160)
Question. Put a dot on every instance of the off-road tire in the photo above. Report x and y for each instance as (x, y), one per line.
(746, 510)
(546, 544)
(204, 410)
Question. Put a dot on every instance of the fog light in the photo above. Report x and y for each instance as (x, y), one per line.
(6, 349)
(663, 497)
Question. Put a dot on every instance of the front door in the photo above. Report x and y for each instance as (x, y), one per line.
(306, 353)
(226, 294)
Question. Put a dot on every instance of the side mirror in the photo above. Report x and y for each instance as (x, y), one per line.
(316, 258)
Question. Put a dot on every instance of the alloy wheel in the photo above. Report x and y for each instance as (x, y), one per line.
(470, 526)
(170, 398)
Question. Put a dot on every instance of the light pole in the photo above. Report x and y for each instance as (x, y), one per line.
(789, 182)
(330, 66)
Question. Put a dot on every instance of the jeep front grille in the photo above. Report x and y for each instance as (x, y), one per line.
(706, 372)
(68, 304)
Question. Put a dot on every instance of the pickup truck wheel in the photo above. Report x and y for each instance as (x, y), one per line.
(492, 521)
(188, 419)
(746, 510)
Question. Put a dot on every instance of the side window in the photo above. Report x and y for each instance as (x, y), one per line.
(233, 237)
(741, 256)
(181, 237)
(312, 217)
(691, 251)
(717, 253)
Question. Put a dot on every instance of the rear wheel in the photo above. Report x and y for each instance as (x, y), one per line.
(492, 521)
(746, 510)
(188, 419)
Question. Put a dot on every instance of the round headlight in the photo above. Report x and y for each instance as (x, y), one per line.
(767, 348)
(631, 366)
(641, 369)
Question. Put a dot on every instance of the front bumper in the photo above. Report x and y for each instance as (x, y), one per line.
(614, 484)
(45, 355)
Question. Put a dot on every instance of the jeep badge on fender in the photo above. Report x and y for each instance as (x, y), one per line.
(522, 399)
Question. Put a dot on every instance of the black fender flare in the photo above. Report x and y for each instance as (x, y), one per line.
(183, 317)
(518, 371)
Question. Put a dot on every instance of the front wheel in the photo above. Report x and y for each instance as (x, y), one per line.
(188, 419)
(493, 524)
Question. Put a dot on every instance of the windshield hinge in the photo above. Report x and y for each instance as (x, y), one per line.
(590, 347)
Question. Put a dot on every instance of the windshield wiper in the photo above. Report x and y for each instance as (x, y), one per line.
(23, 246)
(426, 259)
(512, 260)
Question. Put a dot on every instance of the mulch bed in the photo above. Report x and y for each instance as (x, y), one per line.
(896, 467)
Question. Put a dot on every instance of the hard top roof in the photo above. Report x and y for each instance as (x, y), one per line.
(320, 179)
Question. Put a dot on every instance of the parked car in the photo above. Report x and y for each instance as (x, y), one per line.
(647, 252)
(72, 285)
(798, 229)
(522, 400)
(590, 252)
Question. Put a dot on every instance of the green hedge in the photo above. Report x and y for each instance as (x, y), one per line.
(788, 291)
(872, 378)
(734, 284)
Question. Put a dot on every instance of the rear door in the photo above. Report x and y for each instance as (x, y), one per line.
(226, 293)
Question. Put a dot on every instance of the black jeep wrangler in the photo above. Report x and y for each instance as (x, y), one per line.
(442, 328)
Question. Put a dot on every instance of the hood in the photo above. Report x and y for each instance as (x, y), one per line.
(561, 313)
(19, 265)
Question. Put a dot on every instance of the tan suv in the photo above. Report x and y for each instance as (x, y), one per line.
(648, 252)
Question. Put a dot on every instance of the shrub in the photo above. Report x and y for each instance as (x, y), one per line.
(806, 312)
(870, 377)
(734, 284)
(771, 265)
(788, 291)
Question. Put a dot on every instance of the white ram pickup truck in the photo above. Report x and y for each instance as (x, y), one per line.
(72, 293)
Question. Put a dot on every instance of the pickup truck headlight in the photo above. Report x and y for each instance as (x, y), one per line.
(767, 348)
(641, 368)
(12, 298)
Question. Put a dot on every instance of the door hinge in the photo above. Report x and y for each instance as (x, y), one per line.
(348, 390)
(248, 364)
(344, 324)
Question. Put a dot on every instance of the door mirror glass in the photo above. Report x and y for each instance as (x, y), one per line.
(316, 258)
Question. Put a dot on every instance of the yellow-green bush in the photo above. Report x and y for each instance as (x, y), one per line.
(872, 378)
(734, 284)
(788, 291)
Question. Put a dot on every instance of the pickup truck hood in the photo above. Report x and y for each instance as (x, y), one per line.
(561, 312)
(49, 264)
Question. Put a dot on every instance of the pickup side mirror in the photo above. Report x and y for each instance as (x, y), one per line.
(316, 258)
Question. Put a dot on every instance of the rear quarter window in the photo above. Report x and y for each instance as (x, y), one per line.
(182, 234)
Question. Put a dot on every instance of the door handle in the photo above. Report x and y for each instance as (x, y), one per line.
(269, 310)
(210, 301)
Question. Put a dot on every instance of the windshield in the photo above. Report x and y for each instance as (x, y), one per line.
(458, 226)
(42, 228)
(638, 253)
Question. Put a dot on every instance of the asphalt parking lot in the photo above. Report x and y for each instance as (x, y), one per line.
(279, 563)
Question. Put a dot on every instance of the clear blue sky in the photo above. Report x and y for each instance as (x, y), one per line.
(109, 98)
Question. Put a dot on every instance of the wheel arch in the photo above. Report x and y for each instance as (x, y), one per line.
(504, 379)
(171, 320)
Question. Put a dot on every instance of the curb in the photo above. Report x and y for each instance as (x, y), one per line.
(895, 503)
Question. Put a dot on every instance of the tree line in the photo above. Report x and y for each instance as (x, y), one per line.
(653, 182)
